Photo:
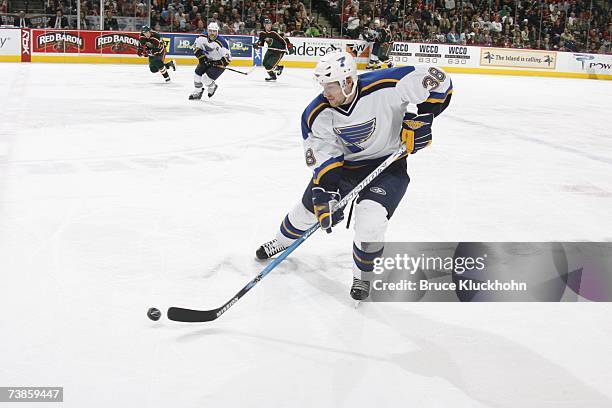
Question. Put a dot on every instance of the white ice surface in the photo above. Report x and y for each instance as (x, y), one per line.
(116, 194)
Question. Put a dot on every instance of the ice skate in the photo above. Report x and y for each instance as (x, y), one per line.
(360, 289)
(196, 95)
(212, 88)
(269, 249)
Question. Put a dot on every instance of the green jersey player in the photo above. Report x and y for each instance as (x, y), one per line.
(278, 45)
(152, 46)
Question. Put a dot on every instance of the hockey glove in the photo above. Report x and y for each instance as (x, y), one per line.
(323, 202)
(201, 56)
(224, 61)
(256, 46)
(416, 131)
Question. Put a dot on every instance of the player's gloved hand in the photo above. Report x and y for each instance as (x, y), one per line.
(225, 61)
(142, 53)
(289, 46)
(256, 45)
(416, 131)
(323, 202)
(201, 56)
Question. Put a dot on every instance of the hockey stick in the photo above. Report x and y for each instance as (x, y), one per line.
(279, 50)
(180, 314)
(237, 71)
(285, 50)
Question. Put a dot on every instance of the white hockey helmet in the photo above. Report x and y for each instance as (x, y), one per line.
(213, 26)
(337, 66)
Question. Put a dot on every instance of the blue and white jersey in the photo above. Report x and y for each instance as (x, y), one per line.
(215, 49)
(369, 127)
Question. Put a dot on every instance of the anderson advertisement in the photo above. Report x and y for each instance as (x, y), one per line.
(312, 49)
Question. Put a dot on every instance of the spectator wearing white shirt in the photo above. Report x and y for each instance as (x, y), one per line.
(571, 20)
(21, 21)
(352, 24)
(496, 26)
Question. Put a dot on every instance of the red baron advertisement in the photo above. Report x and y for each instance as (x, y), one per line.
(26, 45)
(87, 42)
(116, 43)
(57, 41)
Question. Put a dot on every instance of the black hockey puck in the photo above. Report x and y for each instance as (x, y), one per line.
(154, 313)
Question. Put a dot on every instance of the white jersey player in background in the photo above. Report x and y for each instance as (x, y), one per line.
(347, 131)
(212, 51)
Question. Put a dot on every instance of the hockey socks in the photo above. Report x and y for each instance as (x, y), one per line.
(165, 74)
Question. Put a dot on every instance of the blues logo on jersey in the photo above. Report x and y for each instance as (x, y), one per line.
(352, 136)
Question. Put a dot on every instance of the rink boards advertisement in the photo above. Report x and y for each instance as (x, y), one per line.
(10, 44)
(404, 53)
(39, 45)
(241, 46)
(504, 61)
(106, 46)
(310, 50)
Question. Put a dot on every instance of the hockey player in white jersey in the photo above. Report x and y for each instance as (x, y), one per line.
(347, 131)
(213, 55)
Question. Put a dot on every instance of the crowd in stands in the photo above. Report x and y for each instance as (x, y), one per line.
(235, 16)
(563, 25)
(291, 17)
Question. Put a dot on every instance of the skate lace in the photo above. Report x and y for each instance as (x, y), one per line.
(273, 247)
(361, 284)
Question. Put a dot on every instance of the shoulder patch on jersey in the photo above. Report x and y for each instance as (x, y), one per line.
(384, 78)
(311, 112)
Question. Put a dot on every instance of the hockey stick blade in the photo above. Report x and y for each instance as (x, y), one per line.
(178, 314)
